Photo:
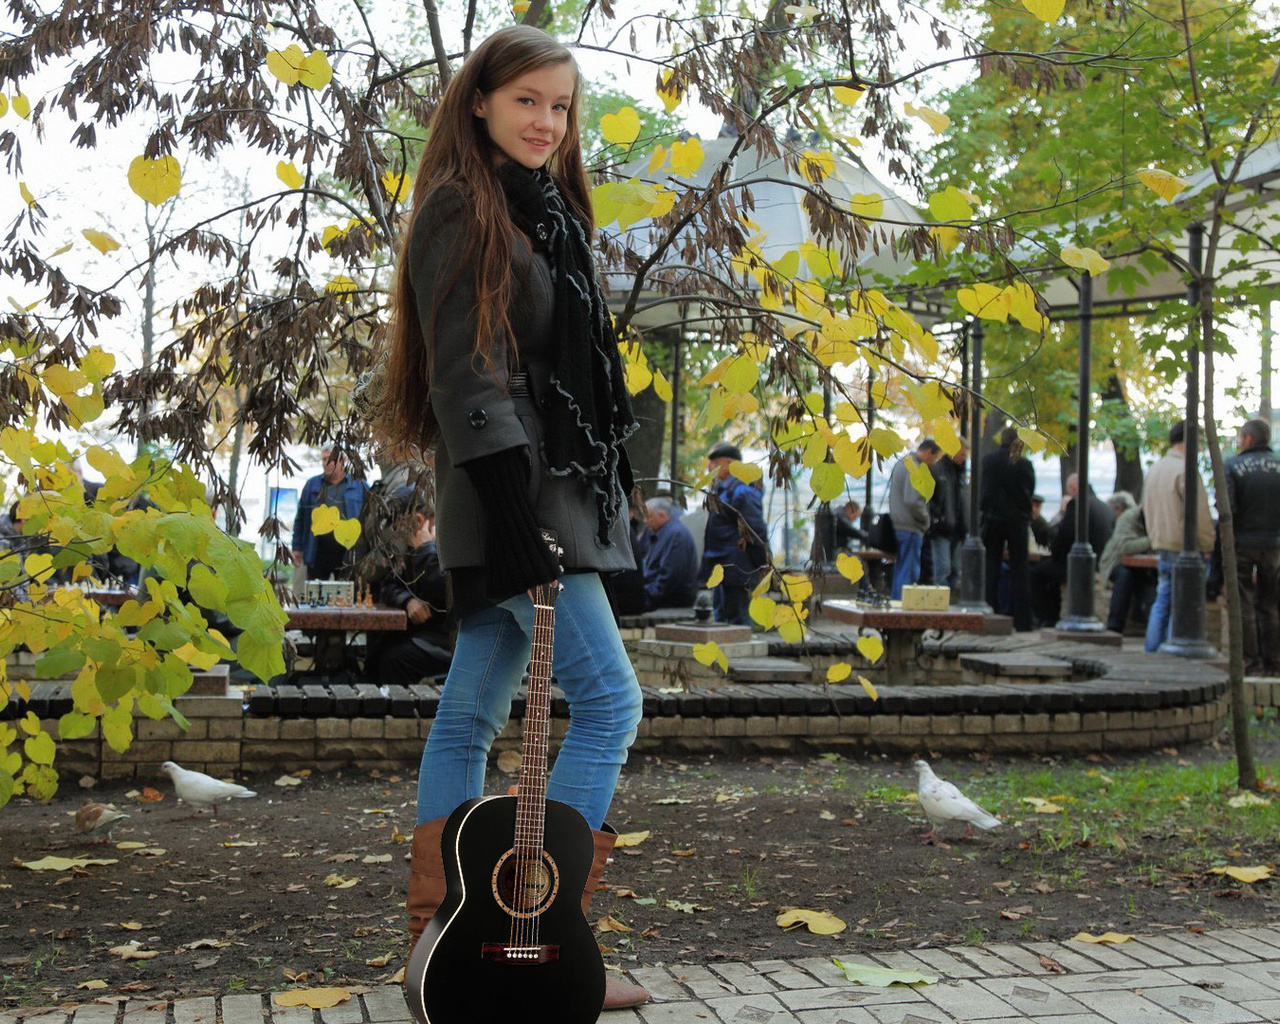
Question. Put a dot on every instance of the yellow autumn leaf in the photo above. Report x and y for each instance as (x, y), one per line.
(285, 64)
(1047, 11)
(1042, 806)
(686, 158)
(314, 71)
(637, 377)
(92, 985)
(1031, 439)
(324, 518)
(316, 998)
(347, 532)
(849, 567)
(337, 881)
(921, 478)
(626, 839)
(188, 653)
(520, 7)
(1162, 183)
(341, 284)
(935, 119)
(802, 12)
(130, 952)
(289, 174)
(870, 647)
(1106, 937)
(817, 921)
(396, 186)
(1249, 875)
(796, 588)
(38, 566)
(1084, 259)
(817, 166)
(25, 192)
(612, 924)
(716, 577)
(886, 442)
(621, 128)
(709, 654)
(827, 481)
(21, 106)
(848, 95)
(950, 204)
(52, 863)
(657, 158)
(867, 204)
(155, 180)
(1023, 308)
(379, 961)
(669, 91)
(839, 672)
(985, 300)
(662, 386)
(100, 240)
(762, 610)
(868, 687)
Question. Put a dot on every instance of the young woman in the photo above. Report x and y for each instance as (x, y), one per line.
(504, 359)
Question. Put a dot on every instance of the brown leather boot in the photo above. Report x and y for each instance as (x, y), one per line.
(618, 994)
(426, 877)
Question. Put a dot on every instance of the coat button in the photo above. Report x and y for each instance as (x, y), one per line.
(542, 232)
(545, 402)
(477, 418)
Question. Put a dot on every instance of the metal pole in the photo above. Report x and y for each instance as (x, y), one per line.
(1268, 336)
(824, 522)
(1081, 564)
(973, 556)
(1186, 622)
(677, 366)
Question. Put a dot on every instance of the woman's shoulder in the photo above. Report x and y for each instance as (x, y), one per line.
(443, 216)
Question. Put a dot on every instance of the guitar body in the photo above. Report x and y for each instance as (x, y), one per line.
(487, 955)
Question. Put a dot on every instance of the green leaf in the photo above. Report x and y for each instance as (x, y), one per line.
(114, 681)
(117, 726)
(6, 788)
(827, 481)
(881, 977)
(75, 725)
(207, 589)
(59, 661)
(40, 748)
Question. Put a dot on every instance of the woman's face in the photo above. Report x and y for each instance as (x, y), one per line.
(527, 118)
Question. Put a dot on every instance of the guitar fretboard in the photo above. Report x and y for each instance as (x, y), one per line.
(532, 795)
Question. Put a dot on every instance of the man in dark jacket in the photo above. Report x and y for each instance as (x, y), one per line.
(671, 561)
(735, 535)
(1253, 487)
(946, 515)
(1008, 482)
(1050, 574)
(414, 582)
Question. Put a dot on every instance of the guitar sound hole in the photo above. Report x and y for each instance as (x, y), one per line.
(527, 893)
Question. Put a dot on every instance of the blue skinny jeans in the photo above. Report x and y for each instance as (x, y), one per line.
(489, 660)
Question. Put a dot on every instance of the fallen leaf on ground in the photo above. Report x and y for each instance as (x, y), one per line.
(1248, 799)
(152, 851)
(379, 961)
(1042, 806)
(206, 944)
(130, 845)
(673, 800)
(509, 762)
(316, 998)
(132, 926)
(1106, 937)
(239, 842)
(52, 863)
(692, 851)
(683, 908)
(288, 780)
(340, 882)
(150, 795)
(1050, 964)
(611, 924)
(396, 979)
(817, 921)
(96, 983)
(632, 838)
(826, 816)
(881, 977)
(1254, 874)
(132, 952)
(375, 858)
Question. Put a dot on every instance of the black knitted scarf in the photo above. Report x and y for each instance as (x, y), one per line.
(582, 437)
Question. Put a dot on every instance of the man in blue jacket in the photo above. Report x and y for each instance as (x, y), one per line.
(671, 560)
(1253, 487)
(323, 555)
(735, 536)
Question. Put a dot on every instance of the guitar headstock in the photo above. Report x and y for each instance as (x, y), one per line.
(545, 594)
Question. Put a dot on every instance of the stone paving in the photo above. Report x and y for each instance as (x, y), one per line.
(1226, 976)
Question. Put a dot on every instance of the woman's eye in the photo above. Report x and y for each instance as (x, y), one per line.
(561, 107)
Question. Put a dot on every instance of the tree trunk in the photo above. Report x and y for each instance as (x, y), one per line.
(1128, 461)
(1246, 773)
(645, 446)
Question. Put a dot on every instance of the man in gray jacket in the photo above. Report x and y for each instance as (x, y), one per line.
(909, 510)
(1253, 487)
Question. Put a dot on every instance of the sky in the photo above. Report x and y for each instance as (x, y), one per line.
(87, 189)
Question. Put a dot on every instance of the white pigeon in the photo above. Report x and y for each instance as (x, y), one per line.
(942, 802)
(201, 790)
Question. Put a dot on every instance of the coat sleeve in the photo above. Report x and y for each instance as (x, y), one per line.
(302, 517)
(476, 414)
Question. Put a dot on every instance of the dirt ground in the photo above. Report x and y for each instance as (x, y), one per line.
(304, 883)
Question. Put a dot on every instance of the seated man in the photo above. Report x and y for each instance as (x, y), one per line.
(413, 581)
(1128, 538)
(848, 528)
(671, 563)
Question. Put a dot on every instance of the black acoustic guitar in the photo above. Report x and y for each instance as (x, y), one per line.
(510, 941)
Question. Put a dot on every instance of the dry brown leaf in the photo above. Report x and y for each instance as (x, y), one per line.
(509, 762)
(379, 961)
(692, 851)
(131, 952)
(96, 983)
(632, 838)
(132, 926)
(396, 979)
(340, 882)
(610, 924)
(817, 921)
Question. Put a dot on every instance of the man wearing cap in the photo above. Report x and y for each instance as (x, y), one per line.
(735, 535)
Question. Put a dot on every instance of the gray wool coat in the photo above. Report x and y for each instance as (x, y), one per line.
(477, 414)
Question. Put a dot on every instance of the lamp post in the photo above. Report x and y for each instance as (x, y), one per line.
(973, 556)
(1081, 563)
(1186, 623)
(677, 374)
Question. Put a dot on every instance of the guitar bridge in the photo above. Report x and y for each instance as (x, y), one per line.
(506, 953)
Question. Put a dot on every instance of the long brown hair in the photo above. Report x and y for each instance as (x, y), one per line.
(460, 156)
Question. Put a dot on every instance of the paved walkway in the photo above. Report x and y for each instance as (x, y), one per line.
(1227, 976)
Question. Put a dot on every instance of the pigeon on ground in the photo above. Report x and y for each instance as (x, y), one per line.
(200, 790)
(96, 817)
(942, 802)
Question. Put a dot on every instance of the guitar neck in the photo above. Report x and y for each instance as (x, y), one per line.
(531, 800)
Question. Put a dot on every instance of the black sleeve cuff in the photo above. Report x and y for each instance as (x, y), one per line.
(516, 557)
